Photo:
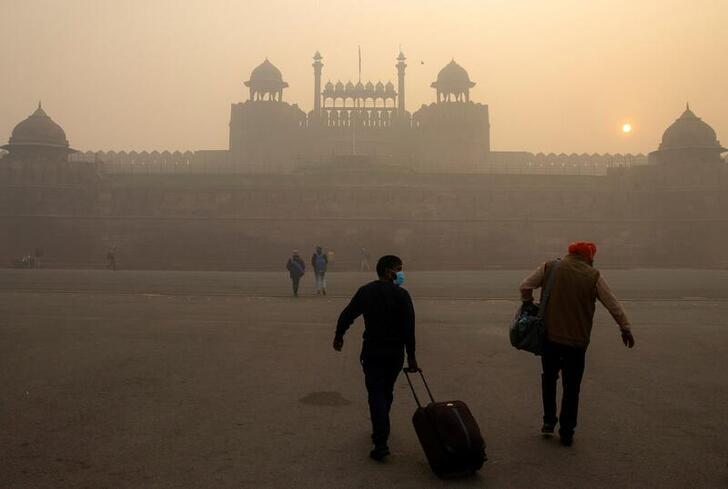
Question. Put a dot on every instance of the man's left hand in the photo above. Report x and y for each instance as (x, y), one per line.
(338, 344)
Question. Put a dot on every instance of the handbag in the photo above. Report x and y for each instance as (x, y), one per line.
(528, 330)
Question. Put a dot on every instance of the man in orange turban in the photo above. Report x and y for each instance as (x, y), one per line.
(569, 317)
(587, 249)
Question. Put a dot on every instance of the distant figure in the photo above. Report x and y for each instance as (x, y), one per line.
(569, 317)
(37, 255)
(296, 268)
(364, 260)
(320, 263)
(111, 259)
(26, 261)
(389, 330)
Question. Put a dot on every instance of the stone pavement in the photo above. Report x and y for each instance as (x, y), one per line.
(221, 380)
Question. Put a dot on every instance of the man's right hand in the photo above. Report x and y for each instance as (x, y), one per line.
(628, 339)
(338, 343)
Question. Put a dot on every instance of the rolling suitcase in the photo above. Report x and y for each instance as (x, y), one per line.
(448, 433)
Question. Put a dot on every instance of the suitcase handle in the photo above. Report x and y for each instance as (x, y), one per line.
(407, 371)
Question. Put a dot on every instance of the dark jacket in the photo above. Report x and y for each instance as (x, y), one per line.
(389, 318)
(296, 267)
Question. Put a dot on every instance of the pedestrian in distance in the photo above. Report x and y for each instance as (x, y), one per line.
(364, 260)
(569, 317)
(296, 269)
(320, 263)
(111, 259)
(37, 255)
(389, 332)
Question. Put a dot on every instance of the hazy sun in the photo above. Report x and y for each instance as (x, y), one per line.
(627, 128)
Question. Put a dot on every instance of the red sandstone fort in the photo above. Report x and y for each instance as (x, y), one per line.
(360, 170)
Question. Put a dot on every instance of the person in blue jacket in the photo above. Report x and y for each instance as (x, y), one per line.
(319, 263)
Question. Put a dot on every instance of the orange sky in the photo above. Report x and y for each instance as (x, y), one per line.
(559, 75)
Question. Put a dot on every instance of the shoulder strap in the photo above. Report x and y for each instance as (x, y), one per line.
(547, 288)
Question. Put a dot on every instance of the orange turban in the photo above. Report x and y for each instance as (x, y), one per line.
(587, 249)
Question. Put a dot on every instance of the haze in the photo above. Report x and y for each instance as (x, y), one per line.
(558, 76)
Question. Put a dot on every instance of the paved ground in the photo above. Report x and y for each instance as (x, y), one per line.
(215, 380)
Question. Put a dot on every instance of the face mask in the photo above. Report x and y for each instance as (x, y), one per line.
(399, 278)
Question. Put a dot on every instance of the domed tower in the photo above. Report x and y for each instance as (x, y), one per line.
(454, 133)
(38, 137)
(453, 81)
(42, 178)
(266, 79)
(270, 135)
(688, 141)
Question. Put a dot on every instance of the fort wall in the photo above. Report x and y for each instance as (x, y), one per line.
(436, 221)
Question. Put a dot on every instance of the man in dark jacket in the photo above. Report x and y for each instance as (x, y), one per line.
(296, 269)
(569, 318)
(389, 330)
(320, 263)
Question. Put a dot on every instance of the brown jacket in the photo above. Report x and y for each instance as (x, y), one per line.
(570, 311)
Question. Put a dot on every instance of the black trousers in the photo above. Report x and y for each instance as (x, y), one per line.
(381, 369)
(295, 281)
(570, 362)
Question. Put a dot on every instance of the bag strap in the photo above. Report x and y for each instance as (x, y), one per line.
(417, 399)
(298, 267)
(547, 289)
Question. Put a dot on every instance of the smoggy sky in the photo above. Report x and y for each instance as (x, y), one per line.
(558, 75)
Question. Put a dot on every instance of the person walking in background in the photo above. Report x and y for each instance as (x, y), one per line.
(111, 259)
(569, 318)
(320, 263)
(389, 331)
(296, 269)
(364, 260)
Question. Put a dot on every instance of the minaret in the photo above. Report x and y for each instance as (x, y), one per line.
(401, 65)
(317, 65)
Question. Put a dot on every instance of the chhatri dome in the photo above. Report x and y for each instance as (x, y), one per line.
(453, 80)
(266, 79)
(454, 74)
(690, 132)
(39, 129)
(688, 140)
(38, 134)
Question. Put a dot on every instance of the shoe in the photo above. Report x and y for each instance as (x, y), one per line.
(548, 428)
(567, 440)
(379, 453)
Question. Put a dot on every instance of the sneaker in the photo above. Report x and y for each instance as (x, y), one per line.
(379, 453)
(548, 428)
(567, 440)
